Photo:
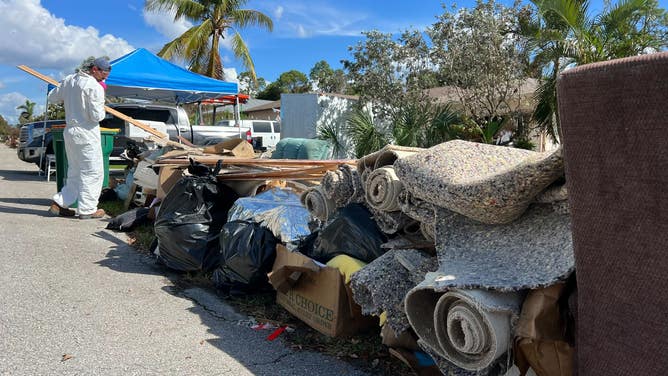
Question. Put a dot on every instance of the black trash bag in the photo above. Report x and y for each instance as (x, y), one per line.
(247, 254)
(352, 232)
(129, 220)
(133, 148)
(108, 195)
(189, 221)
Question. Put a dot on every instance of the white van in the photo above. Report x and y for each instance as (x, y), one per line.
(269, 130)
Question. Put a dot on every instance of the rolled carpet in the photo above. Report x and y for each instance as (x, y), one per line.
(317, 203)
(471, 329)
(383, 157)
(613, 117)
(343, 185)
(382, 189)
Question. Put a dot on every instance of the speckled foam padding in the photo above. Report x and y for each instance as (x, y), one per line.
(343, 186)
(488, 183)
(381, 286)
(534, 251)
(383, 157)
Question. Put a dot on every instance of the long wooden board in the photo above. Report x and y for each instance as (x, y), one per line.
(107, 108)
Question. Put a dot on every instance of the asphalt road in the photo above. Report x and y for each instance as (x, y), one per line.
(75, 299)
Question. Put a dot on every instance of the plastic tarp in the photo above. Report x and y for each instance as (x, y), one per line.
(143, 75)
(278, 210)
(302, 148)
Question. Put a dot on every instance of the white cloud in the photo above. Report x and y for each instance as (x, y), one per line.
(312, 18)
(231, 75)
(278, 12)
(301, 32)
(164, 23)
(35, 37)
(8, 104)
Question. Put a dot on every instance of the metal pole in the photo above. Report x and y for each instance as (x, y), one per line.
(43, 150)
(237, 114)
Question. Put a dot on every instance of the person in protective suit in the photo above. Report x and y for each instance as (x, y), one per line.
(83, 97)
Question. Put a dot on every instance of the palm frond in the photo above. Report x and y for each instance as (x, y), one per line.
(248, 17)
(241, 51)
(364, 134)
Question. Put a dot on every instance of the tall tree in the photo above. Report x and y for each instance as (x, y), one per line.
(249, 86)
(292, 81)
(28, 111)
(480, 58)
(327, 79)
(212, 19)
(384, 71)
(565, 33)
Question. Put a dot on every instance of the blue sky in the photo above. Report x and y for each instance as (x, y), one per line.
(54, 36)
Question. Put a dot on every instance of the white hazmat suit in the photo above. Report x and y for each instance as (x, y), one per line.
(84, 108)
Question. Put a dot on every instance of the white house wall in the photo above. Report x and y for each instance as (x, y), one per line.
(299, 114)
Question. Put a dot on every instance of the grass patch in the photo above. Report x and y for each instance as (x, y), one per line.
(142, 237)
(113, 208)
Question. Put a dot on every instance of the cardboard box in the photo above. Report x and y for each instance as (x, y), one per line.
(316, 295)
(167, 178)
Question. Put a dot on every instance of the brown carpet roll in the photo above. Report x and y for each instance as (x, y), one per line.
(614, 119)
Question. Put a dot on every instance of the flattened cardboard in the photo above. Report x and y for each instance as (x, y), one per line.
(167, 178)
(316, 295)
(236, 147)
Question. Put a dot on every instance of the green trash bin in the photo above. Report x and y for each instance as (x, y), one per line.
(107, 140)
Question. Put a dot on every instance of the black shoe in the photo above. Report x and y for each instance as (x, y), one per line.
(56, 209)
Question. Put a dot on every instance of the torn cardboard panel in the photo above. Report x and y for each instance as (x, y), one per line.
(236, 147)
(167, 178)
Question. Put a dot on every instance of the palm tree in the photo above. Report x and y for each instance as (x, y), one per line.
(564, 33)
(200, 44)
(28, 110)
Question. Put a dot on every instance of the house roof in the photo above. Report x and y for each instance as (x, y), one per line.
(447, 94)
(268, 105)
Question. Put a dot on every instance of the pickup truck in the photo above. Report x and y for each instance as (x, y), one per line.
(269, 132)
(171, 120)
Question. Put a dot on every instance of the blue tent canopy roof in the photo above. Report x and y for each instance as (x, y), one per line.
(143, 75)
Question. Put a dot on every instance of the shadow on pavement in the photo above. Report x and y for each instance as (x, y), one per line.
(124, 258)
(27, 201)
(21, 175)
(38, 212)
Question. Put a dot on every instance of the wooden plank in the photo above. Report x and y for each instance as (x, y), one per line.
(107, 108)
(211, 160)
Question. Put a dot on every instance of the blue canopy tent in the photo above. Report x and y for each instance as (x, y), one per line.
(143, 75)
